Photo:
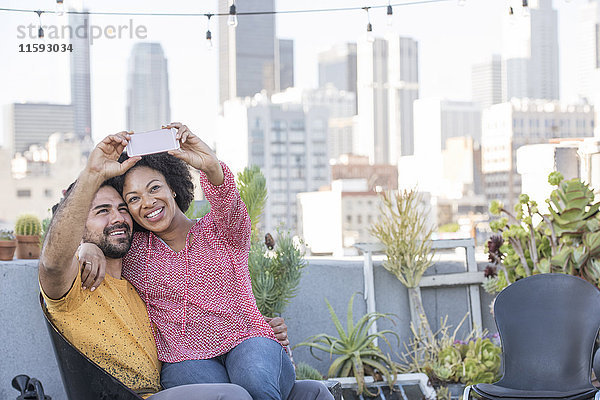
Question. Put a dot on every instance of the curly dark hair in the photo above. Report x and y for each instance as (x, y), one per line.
(175, 171)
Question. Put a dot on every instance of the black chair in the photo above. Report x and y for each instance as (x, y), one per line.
(82, 378)
(548, 324)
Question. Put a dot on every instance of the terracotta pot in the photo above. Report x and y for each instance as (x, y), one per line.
(28, 247)
(7, 249)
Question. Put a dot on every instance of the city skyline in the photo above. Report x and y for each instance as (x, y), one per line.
(200, 111)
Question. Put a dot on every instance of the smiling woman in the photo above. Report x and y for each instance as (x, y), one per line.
(194, 277)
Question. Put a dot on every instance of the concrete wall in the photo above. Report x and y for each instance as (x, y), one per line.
(26, 349)
(25, 346)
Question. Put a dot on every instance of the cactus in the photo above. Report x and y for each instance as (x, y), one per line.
(28, 225)
(566, 240)
(6, 235)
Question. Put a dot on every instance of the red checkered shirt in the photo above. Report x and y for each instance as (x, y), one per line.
(200, 299)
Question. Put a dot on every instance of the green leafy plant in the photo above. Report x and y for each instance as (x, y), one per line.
(357, 354)
(28, 225)
(275, 273)
(566, 240)
(403, 230)
(275, 266)
(445, 359)
(305, 371)
(5, 234)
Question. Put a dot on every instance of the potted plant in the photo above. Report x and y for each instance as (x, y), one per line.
(27, 230)
(357, 354)
(8, 244)
(405, 233)
(566, 240)
(451, 364)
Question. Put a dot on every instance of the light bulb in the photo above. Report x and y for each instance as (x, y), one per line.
(370, 37)
(526, 12)
(209, 43)
(40, 33)
(390, 16)
(60, 7)
(232, 19)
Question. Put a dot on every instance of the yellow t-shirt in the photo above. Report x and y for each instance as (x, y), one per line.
(111, 327)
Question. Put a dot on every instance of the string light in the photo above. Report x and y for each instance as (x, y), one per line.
(390, 15)
(209, 43)
(232, 19)
(304, 11)
(511, 11)
(40, 29)
(60, 7)
(370, 37)
(525, 8)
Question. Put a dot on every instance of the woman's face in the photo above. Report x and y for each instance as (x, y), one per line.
(149, 198)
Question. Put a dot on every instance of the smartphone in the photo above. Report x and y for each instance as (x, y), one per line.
(151, 142)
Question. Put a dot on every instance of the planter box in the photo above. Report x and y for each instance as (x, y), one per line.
(408, 386)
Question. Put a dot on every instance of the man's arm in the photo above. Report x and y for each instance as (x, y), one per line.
(58, 266)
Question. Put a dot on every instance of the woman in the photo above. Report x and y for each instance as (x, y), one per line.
(193, 275)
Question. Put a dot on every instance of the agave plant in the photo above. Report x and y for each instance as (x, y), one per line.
(358, 354)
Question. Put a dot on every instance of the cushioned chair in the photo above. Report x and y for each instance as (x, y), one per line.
(548, 324)
(81, 377)
(84, 379)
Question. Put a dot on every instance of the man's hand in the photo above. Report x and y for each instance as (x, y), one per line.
(103, 161)
(92, 263)
(280, 329)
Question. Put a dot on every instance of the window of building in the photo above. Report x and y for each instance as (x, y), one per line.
(348, 218)
(24, 193)
(48, 192)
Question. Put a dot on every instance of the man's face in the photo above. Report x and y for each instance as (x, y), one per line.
(108, 225)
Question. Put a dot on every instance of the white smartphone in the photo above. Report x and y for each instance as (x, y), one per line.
(151, 142)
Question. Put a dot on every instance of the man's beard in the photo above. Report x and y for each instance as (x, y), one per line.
(111, 249)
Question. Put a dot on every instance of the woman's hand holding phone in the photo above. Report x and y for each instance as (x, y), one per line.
(197, 153)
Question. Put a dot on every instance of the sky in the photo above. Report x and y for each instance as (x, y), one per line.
(451, 38)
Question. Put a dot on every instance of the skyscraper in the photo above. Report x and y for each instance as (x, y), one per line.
(286, 63)
(80, 76)
(388, 84)
(530, 51)
(486, 81)
(337, 66)
(148, 102)
(588, 58)
(247, 62)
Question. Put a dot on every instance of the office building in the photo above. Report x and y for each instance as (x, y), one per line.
(286, 63)
(29, 124)
(508, 126)
(287, 141)
(486, 81)
(81, 99)
(148, 100)
(530, 51)
(247, 59)
(388, 84)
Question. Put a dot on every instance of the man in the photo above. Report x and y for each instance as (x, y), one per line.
(109, 322)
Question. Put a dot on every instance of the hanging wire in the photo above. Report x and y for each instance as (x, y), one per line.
(316, 10)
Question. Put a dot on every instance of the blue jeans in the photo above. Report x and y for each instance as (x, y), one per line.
(259, 365)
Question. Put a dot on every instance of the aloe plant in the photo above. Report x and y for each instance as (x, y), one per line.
(357, 354)
(565, 240)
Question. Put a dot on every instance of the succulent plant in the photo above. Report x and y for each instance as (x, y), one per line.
(5, 234)
(566, 240)
(28, 225)
(305, 371)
